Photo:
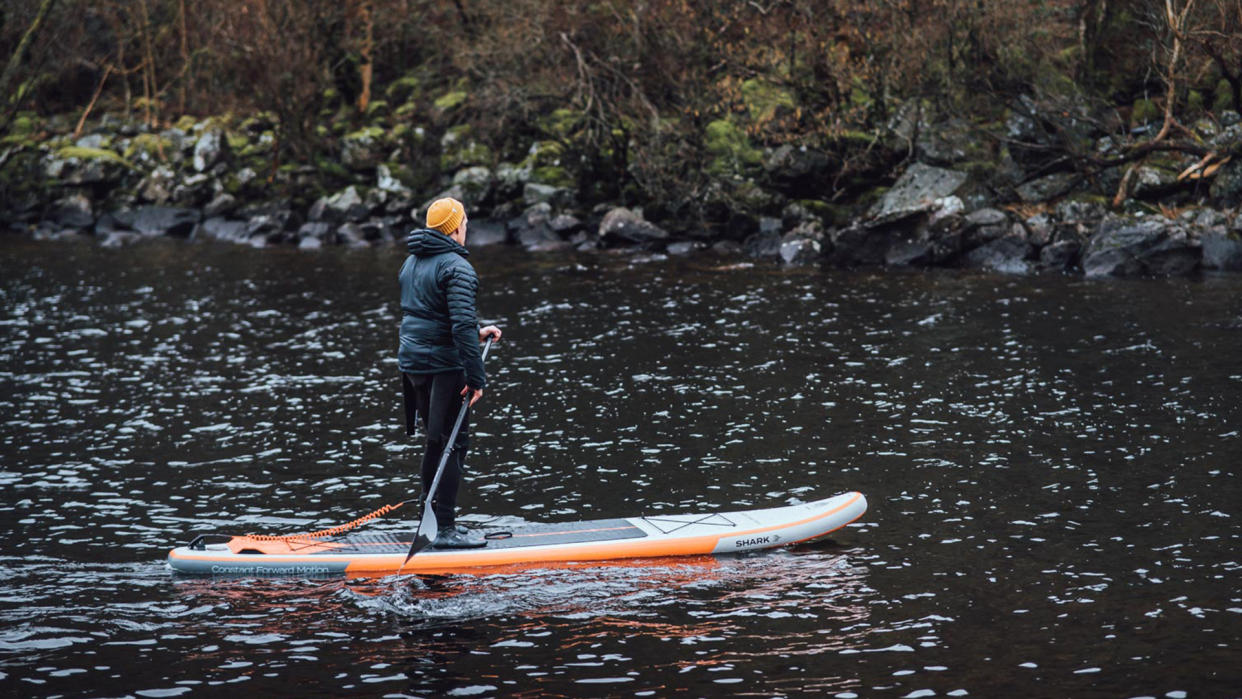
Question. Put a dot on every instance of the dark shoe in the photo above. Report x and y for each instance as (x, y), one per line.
(451, 537)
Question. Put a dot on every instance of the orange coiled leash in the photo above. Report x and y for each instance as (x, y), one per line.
(331, 531)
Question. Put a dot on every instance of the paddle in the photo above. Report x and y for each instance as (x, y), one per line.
(427, 527)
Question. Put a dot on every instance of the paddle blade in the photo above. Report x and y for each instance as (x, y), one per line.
(425, 534)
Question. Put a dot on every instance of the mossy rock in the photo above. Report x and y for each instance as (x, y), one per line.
(332, 168)
(451, 100)
(1144, 111)
(24, 124)
(80, 153)
(402, 89)
(237, 142)
(730, 148)
(458, 149)
(369, 133)
(544, 154)
(561, 123)
(1223, 97)
(552, 175)
(149, 145)
(1194, 102)
(763, 99)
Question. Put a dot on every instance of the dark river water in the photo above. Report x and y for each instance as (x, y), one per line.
(1051, 464)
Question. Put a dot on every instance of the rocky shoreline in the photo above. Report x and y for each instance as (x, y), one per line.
(198, 179)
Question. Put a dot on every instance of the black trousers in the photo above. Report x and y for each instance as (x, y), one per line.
(436, 398)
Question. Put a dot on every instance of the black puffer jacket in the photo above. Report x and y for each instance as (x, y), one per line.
(439, 327)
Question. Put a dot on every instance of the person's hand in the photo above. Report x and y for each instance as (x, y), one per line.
(477, 394)
(489, 330)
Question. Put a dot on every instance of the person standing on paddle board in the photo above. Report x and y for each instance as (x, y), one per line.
(439, 354)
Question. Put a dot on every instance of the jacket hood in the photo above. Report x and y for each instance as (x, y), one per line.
(425, 243)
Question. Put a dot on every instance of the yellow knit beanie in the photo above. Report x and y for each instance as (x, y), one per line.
(445, 215)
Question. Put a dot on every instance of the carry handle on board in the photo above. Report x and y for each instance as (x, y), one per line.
(427, 526)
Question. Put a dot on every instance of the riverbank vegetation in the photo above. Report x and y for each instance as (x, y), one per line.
(695, 111)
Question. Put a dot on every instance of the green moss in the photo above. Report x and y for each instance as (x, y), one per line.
(561, 123)
(1223, 97)
(1144, 111)
(330, 167)
(186, 123)
(552, 175)
(854, 137)
(93, 154)
(730, 148)
(369, 133)
(460, 150)
(451, 100)
(401, 89)
(763, 99)
(1194, 102)
(544, 153)
(406, 110)
(23, 124)
(150, 144)
(236, 141)
(377, 108)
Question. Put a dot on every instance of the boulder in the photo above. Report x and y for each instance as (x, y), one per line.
(386, 182)
(684, 247)
(917, 191)
(313, 234)
(1222, 250)
(157, 186)
(72, 211)
(209, 149)
(800, 251)
(475, 183)
(1128, 248)
(1047, 187)
(220, 205)
(345, 205)
(269, 226)
(798, 169)
(194, 190)
(535, 193)
(160, 220)
(859, 244)
(763, 244)
(531, 228)
(622, 226)
(486, 232)
(220, 228)
(1008, 255)
(1061, 255)
(363, 149)
(1226, 189)
(565, 224)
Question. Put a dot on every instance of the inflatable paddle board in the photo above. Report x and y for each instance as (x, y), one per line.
(597, 540)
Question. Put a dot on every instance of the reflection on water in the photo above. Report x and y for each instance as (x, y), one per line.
(1050, 465)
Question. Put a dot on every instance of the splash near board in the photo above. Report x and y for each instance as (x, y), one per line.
(330, 552)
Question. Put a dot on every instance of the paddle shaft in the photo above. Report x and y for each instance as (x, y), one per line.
(428, 522)
(452, 440)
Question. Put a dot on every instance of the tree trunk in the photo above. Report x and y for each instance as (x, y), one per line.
(15, 61)
(367, 52)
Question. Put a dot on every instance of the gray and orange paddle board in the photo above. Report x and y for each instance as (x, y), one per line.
(652, 536)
